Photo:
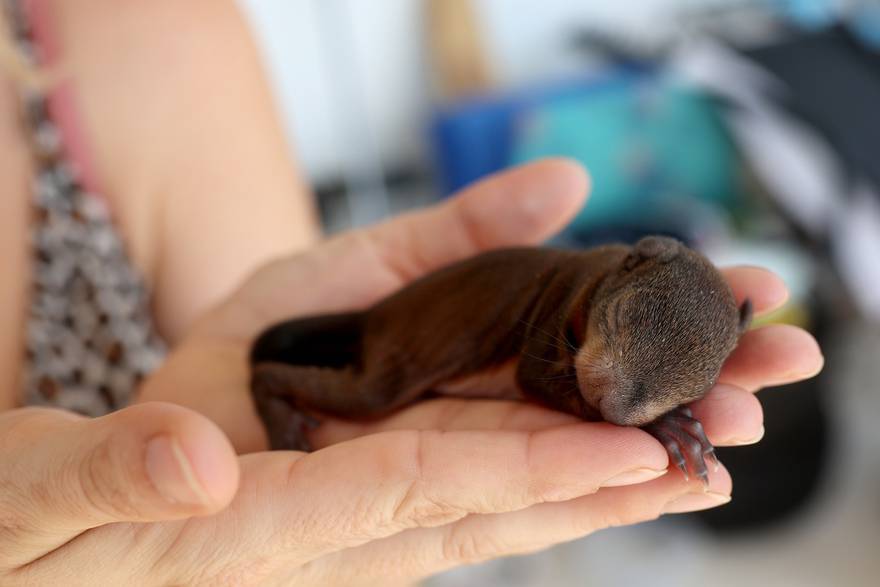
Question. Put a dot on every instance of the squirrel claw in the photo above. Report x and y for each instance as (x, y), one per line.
(682, 466)
(713, 459)
(686, 442)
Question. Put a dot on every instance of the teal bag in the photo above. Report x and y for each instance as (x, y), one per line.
(654, 150)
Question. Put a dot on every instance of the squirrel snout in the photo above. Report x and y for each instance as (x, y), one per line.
(610, 393)
(604, 398)
(616, 404)
(615, 412)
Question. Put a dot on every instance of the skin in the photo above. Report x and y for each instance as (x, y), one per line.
(624, 334)
(449, 481)
(159, 139)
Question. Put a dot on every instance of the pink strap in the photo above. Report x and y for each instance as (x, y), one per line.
(61, 100)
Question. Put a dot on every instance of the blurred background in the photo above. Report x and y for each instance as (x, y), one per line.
(748, 129)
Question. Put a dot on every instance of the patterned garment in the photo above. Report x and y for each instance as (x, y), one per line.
(90, 335)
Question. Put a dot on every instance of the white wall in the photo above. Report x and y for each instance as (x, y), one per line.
(350, 74)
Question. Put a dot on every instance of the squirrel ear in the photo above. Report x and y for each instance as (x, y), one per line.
(745, 315)
(661, 248)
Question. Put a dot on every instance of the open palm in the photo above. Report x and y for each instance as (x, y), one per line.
(445, 481)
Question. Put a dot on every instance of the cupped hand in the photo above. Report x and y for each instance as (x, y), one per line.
(443, 482)
(208, 371)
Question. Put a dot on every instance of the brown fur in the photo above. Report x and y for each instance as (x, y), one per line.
(623, 333)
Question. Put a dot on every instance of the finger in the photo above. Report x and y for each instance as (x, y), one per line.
(772, 355)
(425, 551)
(731, 416)
(378, 485)
(449, 414)
(63, 474)
(764, 288)
(520, 206)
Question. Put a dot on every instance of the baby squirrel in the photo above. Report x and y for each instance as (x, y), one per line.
(627, 334)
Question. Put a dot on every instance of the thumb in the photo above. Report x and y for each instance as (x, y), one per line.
(521, 206)
(149, 462)
(524, 205)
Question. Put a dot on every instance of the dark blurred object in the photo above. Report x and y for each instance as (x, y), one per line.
(803, 112)
(779, 476)
(832, 82)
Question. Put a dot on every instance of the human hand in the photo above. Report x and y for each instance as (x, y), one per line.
(208, 370)
(469, 503)
(64, 476)
(79, 494)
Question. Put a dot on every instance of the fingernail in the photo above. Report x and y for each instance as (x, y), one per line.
(753, 440)
(635, 476)
(814, 371)
(800, 375)
(172, 474)
(692, 502)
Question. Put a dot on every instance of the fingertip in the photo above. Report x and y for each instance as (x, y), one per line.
(807, 359)
(720, 481)
(800, 350)
(765, 289)
(598, 449)
(730, 415)
(719, 487)
(525, 204)
(206, 462)
(560, 190)
(213, 460)
(773, 355)
(695, 502)
(565, 175)
(546, 195)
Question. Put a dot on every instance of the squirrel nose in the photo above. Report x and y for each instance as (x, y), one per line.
(619, 412)
(611, 412)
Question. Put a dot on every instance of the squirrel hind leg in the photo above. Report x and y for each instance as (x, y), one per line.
(285, 395)
(286, 426)
(284, 417)
(685, 441)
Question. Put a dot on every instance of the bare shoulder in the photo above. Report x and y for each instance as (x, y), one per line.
(186, 142)
(138, 67)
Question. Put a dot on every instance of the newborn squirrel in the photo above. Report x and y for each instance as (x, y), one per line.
(626, 334)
